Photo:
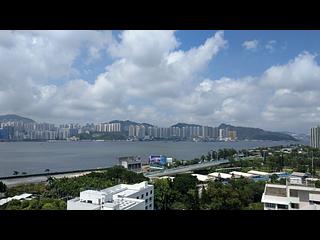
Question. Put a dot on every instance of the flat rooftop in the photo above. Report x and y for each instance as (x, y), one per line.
(77, 205)
(241, 174)
(222, 175)
(254, 172)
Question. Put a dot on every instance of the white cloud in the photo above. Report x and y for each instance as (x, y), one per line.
(151, 80)
(271, 45)
(250, 45)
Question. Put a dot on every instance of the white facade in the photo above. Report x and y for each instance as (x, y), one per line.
(315, 137)
(291, 197)
(138, 196)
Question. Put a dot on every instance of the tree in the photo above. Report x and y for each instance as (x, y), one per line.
(163, 197)
(255, 206)
(48, 206)
(273, 178)
(3, 187)
(183, 182)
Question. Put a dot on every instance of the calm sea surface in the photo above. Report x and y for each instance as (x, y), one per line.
(35, 157)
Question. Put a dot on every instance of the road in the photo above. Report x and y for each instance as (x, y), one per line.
(38, 179)
(11, 182)
(182, 169)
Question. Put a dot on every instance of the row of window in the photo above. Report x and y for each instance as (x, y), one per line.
(150, 206)
(280, 206)
(147, 194)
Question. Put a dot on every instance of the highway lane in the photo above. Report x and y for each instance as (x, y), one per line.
(182, 169)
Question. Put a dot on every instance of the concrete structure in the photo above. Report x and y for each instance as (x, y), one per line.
(298, 177)
(132, 163)
(138, 196)
(315, 137)
(291, 197)
(184, 169)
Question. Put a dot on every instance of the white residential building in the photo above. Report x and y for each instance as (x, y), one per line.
(138, 196)
(291, 197)
(315, 137)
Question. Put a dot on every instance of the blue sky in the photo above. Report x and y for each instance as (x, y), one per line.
(266, 79)
(235, 61)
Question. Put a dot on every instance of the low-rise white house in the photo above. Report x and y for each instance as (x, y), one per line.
(138, 196)
(291, 197)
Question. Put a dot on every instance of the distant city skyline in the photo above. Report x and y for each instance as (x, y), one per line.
(262, 79)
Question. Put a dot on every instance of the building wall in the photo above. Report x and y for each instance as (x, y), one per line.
(146, 194)
(315, 137)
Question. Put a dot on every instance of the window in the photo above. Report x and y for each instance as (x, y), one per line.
(150, 198)
(281, 206)
(314, 202)
(146, 200)
(138, 197)
(151, 192)
(89, 201)
(150, 206)
(146, 208)
(270, 205)
(147, 193)
(142, 196)
(295, 205)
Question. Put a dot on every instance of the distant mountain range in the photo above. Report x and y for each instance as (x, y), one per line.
(257, 133)
(180, 125)
(13, 117)
(242, 132)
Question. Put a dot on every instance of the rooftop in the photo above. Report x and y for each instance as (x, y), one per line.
(259, 173)
(17, 197)
(300, 174)
(201, 178)
(222, 175)
(241, 174)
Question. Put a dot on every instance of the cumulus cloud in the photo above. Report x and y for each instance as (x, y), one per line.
(151, 79)
(250, 45)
